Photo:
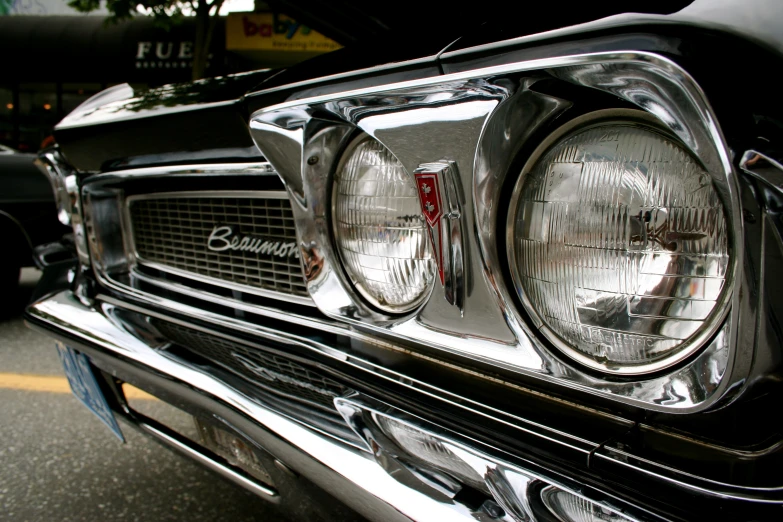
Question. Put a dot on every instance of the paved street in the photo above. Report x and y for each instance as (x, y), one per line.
(61, 463)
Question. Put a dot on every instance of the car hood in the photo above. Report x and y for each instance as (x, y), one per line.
(351, 21)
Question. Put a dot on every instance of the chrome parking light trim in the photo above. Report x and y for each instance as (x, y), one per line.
(509, 484)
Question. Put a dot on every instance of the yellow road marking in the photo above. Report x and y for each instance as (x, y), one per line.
(55, 384)
(131, 392)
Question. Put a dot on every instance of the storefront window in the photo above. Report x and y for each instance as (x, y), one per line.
(37, 114)
(6, 116)
(76, 93)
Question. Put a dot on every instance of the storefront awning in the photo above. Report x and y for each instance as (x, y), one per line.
(87, 49)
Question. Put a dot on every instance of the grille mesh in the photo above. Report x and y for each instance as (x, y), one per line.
(174, 231)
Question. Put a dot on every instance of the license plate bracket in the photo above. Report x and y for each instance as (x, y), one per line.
(85, 387)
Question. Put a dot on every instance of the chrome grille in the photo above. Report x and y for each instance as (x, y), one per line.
(172, 232)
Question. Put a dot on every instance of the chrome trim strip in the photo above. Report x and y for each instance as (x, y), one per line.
(226, 472)
(233, 194)
(121, 114)
(206, 169)
(566, 440)
(279, 296)
(622, 460)
(763, 167)
(176, 306)
(272, 313)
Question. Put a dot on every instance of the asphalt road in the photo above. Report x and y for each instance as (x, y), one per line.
(58, 462)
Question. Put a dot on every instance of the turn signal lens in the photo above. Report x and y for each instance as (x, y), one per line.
(429, 449)
(379, 229)
(619, 247)
(568, 507)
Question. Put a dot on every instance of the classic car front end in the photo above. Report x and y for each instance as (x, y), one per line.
(524, 279)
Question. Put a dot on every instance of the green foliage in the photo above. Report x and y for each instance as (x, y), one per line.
(165, 12)
(5, 6)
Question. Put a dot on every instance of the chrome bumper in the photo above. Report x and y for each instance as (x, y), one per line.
(347, 473)
(370, 480)
(366, 476)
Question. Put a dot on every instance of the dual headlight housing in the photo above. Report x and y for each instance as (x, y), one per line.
(617, 241)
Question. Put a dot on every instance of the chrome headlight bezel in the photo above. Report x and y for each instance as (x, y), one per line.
(716, 317)
(477, 121)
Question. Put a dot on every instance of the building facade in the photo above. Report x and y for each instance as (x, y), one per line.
(55, 62)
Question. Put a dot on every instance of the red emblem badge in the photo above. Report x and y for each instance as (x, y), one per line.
(429, 195)
(428, 187)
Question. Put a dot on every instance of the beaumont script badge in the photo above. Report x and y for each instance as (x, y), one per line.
(223, 238)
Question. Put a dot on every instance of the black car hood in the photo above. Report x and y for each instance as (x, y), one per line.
(352, 21)
(377, 33)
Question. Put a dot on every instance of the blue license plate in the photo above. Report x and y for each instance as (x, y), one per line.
(85, 387)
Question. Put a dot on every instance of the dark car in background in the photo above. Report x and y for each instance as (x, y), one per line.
(28, 215)
(506, 266)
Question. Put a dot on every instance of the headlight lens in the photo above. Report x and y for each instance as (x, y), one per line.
(618, 245)
(379, 228)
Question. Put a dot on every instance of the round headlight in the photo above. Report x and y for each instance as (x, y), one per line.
(379, 228)
(618, 246)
